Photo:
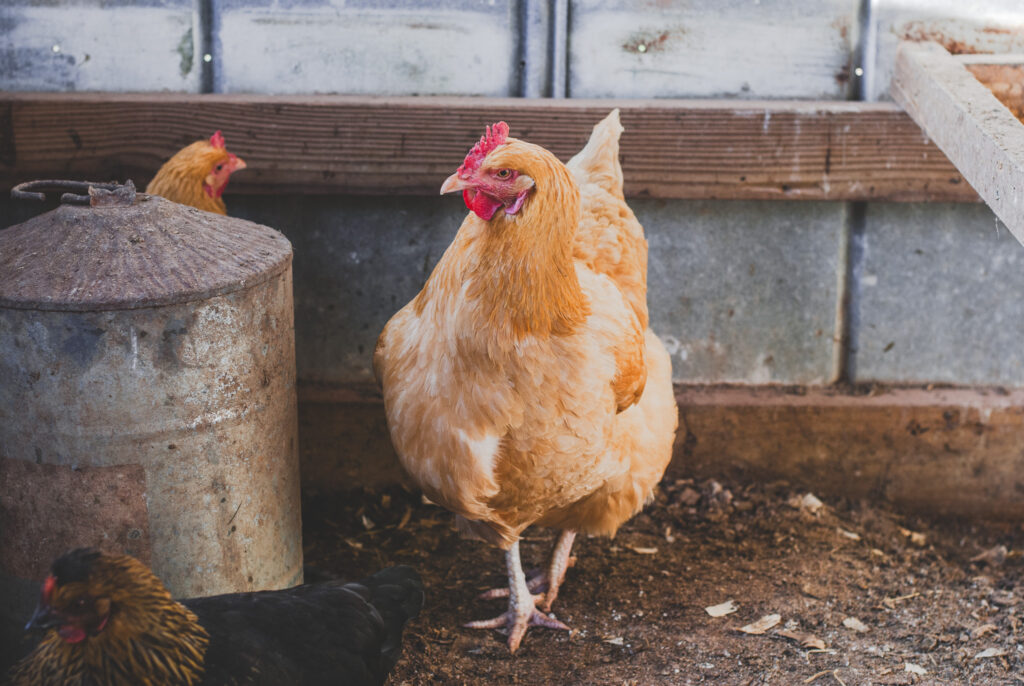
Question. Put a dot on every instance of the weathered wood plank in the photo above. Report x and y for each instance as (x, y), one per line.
(377, 145)
(948, 452)
(976, 131)
(938, 452)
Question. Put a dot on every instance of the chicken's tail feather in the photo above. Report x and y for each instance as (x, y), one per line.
(397, 594)
(598, 161)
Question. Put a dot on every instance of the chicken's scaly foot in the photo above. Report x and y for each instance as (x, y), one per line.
(538, 581)
(521, 606)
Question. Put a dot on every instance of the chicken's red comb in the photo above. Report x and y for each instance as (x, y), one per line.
(217, 140)
(496, 135)
(48, 585)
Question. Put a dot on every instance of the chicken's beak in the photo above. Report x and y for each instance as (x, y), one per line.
(454, 183)
(43, 618)
(238, 163)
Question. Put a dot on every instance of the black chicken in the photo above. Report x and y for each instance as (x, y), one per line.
(110, 620)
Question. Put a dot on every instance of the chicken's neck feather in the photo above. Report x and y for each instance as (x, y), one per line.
(521, 266)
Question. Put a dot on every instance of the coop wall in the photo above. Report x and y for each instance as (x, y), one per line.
(749, 293)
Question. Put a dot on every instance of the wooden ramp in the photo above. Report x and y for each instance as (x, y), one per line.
(978, 131)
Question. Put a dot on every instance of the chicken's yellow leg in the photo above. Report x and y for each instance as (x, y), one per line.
(549, 581)
(560, 562)
(521, 606)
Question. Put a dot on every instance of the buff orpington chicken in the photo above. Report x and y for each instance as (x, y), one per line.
(198, 174)
(522, 386)
(110, 621)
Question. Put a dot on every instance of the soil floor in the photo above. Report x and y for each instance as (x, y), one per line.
(824, 594)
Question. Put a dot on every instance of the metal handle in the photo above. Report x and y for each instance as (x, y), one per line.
(88, 192)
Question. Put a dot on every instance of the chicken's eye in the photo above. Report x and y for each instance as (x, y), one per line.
(79, 604)
(219, 167)
(503, 173)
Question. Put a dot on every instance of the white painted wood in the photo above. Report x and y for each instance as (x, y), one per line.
(87, 47)
(975, 131)
(360, 49)
(727, 48)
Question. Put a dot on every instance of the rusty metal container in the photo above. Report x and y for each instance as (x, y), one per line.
(147, 395)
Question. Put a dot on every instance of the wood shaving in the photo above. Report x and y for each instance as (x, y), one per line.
(805, 640)
(916, 538)
(643, 551)
(848, 534)
(891, 602)
(855, 624)
(914, 669)
(722, 609)
(815, 677)
(762, 625)
(991, 652)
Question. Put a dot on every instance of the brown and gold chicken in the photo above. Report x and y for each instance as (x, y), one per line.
(110, 621)
(198, 174)
(523, 385)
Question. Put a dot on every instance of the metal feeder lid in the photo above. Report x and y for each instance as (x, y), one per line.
(127, 251)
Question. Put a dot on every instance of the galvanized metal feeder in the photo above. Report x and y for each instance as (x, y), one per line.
(147, 393)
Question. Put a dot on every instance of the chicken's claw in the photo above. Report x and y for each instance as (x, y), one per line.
(517, 622)
(522, 610)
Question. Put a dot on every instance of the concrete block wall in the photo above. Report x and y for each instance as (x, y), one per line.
(743, 292)
(941, 297)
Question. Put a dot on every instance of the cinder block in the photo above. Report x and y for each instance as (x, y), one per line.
(731, 48)
(939, 297)
(741, 292)
(744, 292)
(358, 260)
(961, 26)
(364, 47)
(148, 45)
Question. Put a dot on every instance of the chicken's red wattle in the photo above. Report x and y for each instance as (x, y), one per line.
(483, 205)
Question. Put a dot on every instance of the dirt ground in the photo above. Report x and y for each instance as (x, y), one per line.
(861, 595)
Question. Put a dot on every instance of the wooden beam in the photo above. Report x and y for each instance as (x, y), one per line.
(938, 452)
(377, 145)
(977, 132)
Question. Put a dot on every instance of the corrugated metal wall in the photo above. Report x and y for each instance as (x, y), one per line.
(750, 292)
